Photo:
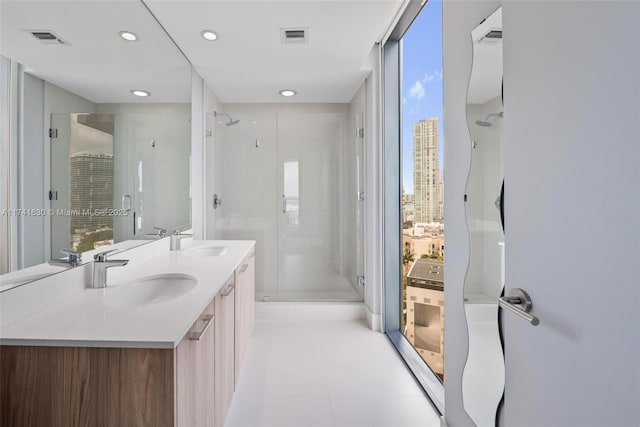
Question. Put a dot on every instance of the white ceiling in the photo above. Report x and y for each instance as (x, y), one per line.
(248, 63)
(98, 64)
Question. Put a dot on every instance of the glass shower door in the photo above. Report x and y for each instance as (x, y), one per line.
(82, 181)
(317, 257)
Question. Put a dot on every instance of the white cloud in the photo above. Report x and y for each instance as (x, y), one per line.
(404, 100)
(417, 90)
(429, 77)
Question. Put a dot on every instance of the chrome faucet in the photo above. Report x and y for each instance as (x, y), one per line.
(73, 258)
(176, 240)
(100, 265)
(162, 233)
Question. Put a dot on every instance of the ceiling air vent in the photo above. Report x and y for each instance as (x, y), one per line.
(46, 36)
(294, 35)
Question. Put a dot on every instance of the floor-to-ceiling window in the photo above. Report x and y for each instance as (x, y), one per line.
(414, 193)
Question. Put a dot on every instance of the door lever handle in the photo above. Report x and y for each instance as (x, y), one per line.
(519, 303)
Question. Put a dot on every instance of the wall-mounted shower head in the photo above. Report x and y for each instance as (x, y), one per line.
(486, 123)
(231, 121)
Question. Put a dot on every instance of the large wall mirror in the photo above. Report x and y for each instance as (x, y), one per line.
(483, 378)
(97, 102)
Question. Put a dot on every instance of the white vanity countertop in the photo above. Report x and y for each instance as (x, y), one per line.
(85, 320)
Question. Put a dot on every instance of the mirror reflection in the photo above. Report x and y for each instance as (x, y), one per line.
(97, 136)
(483, 379)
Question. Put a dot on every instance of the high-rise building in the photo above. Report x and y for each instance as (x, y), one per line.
(91, 185)
(425, 170)
(440, 198)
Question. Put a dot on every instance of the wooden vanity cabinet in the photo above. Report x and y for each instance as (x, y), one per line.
(245, 308)
(225, 349)
(88, 386)
(195, 373)
(189, 385)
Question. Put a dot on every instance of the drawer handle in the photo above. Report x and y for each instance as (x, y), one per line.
(244, 268)
(195, 336)
(229, 289)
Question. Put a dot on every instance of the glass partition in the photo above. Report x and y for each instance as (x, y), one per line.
(291, 181)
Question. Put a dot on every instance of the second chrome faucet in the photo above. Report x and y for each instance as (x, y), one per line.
(176, 240)
(100, 266)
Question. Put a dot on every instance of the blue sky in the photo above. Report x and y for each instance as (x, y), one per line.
(421, 81)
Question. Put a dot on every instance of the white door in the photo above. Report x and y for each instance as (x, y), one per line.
(572, 219)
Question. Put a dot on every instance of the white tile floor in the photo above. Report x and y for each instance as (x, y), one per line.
(325, 373)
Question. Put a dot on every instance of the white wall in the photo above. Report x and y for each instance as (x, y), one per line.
(5, 163)
(198, 158)
(31, 174)
(213, 169)
(459, 18)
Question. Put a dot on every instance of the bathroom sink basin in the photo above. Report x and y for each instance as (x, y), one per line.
(206, 251)
(150, 290)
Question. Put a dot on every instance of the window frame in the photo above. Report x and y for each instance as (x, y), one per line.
(391, 52)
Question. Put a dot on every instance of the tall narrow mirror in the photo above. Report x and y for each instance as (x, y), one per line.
(483, 379)
(99, 98)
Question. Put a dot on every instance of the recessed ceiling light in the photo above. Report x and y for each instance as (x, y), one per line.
(128, 36)
(209, 35)
(288, 92)
(138, 92)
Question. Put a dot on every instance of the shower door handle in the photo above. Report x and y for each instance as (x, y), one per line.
(284, 204)
(519, 303)
(126, 203)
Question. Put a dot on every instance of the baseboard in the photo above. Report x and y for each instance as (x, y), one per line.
(310, 311)
(374, 321)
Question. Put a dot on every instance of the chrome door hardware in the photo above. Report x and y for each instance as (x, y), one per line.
(229, 290)
(126, 203)
(74, 257)
(217, 202)
(161, 234)
(196, 336)
(284, 204)
(518, 302)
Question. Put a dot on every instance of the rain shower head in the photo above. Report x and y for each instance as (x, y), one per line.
(486, 123)
(231, 121)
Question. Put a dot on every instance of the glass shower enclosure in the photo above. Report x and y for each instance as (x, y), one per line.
(117, 177)
(293, 181)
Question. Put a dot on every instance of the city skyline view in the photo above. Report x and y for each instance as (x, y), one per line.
(421, 83)
(422, 241)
